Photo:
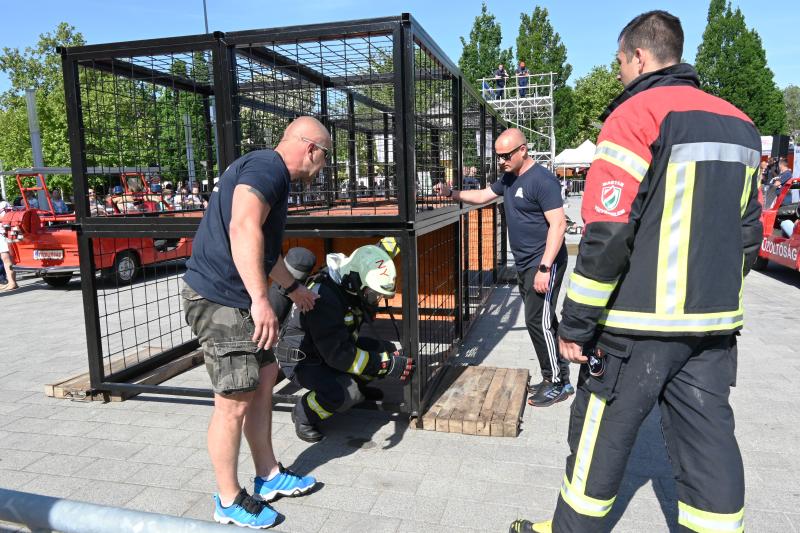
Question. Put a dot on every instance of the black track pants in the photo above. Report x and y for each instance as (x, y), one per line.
(690, 378)
(541, 321)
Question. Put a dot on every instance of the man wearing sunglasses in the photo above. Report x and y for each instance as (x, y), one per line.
(225, 302)
(536, 225)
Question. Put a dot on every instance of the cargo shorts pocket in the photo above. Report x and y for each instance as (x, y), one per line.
(233, 365)
(607, 359)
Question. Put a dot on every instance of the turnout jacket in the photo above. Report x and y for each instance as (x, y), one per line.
(329, 332)
(671, 214)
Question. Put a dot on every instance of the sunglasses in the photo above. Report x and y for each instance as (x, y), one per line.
(509, 155)
(324, 149)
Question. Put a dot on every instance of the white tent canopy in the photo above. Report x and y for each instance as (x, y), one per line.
(576, 157)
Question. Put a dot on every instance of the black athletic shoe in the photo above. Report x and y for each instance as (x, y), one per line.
(551, 393)
(536, 386)
(306, 432)
(526, 526)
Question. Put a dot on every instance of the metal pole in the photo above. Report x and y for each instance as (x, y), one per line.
(187, 132)
(205, 14)
(44, 513)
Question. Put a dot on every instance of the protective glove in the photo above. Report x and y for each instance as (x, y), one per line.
(396, 365)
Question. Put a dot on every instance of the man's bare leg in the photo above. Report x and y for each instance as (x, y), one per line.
(258, 424)
(224, 439)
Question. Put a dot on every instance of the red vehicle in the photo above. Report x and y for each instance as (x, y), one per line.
(42, 232)
(781, 221)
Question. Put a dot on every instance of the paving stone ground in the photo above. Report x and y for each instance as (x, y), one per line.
(149, 453)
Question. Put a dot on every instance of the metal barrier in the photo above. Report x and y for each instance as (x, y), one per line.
(402, 119)
(44, 513)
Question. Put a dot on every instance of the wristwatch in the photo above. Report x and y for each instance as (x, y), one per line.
(291, 288)
(450, 194)
(543, 268)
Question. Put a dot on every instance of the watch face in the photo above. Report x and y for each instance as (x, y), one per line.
(543, 268)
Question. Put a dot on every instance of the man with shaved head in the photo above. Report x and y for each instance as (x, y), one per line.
(225, 301)
(536, 224)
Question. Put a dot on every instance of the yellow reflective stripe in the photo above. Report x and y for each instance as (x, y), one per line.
(316, 407)
(705, 522)
(359, 363)
(583, 504)
(588, 291)
(749, 175)
(591, 427)
(623, 158)
(673, 248)
(695, 322)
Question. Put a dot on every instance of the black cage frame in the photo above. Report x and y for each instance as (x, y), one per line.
(427, 144)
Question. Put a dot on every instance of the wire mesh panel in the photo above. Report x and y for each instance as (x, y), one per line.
(435, 152)
(348, 84)
(472, 116)
(437, 300)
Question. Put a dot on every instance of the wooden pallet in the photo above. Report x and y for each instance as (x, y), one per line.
(479, 400)
(79, 387)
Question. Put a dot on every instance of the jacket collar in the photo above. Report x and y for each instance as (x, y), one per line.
(674, 75)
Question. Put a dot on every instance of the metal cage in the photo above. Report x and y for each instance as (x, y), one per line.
(180, 110)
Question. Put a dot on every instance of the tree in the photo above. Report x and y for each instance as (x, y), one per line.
(37, 68)
(592, 95)
(481, 55)
(540, 47)
(732, 64)
(791, 98)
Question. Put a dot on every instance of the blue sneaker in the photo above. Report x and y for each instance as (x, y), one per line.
(245, 511)
(285, 483)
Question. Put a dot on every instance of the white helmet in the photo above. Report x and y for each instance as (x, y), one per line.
(369, 267)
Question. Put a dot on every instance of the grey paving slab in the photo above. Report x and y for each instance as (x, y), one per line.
(359, 523)
(150, 453)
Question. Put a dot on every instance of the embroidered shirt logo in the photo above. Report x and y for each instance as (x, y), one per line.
(610, 196)
(519, 194)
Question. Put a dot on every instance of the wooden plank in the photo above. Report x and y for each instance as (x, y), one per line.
(79, 387)
(429, 418)
(451, 398)
(516, 404)
(467, 385)
(483, 425)
(470, 407)
(501, 404)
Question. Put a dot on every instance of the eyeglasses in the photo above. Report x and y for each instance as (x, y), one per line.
(324, 149)
(509, 155)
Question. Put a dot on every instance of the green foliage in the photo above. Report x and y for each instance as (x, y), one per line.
(791, 98)
(540, 47)
(481, 55)
(732, 64)
(39, 68)
(592, 95)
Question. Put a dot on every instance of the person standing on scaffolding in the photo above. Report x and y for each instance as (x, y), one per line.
(500, 77)
(522, 79)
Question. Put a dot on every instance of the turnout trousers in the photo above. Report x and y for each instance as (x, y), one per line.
(690, 378)
(541, 321)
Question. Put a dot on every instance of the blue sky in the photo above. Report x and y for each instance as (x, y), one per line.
(588, 28)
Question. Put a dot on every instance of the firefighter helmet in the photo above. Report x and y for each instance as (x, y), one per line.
(369, 267)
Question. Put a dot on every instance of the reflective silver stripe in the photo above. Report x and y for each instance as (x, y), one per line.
(656, 321)
(675, 240)
(624, 158)
(586, 507)
(590, 293)
(711, 151)
(698, 523)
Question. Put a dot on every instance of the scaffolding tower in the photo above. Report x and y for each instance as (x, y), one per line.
(529, 108)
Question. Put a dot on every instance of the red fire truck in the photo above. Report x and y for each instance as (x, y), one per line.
(42, 233)
(781, 221)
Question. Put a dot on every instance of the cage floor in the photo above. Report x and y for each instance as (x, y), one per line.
(479, 400)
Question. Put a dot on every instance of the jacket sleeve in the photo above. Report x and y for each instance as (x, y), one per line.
(621, 163)
(752, 230)
(333, 341)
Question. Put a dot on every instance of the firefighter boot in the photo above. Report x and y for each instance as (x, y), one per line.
(304, 429)
(526, 526)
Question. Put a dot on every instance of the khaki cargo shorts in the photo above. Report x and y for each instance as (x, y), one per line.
(232, 359)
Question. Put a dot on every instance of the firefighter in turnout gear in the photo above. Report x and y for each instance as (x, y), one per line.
(321, 350)
(654, 304)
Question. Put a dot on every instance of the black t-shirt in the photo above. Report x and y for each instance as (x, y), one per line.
(526, 198)
(210, 270)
